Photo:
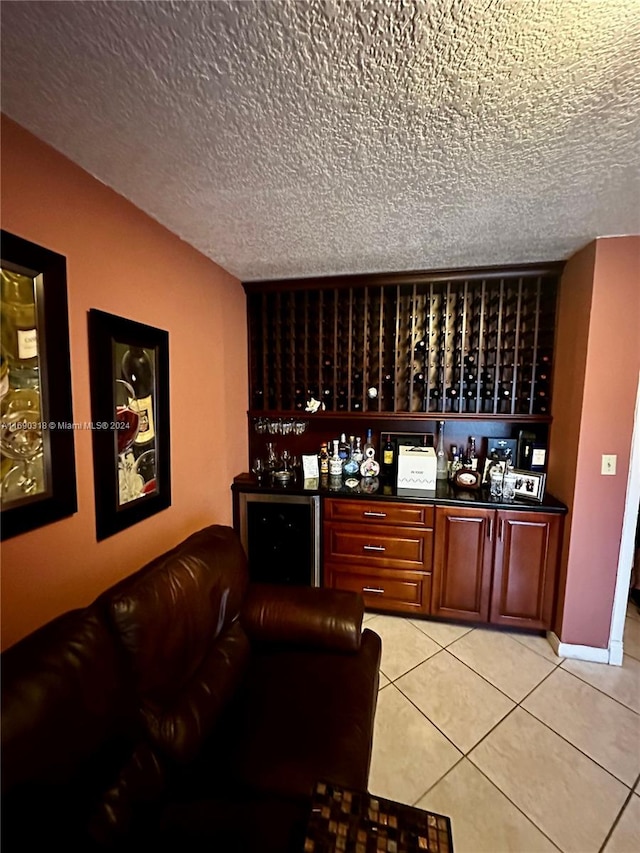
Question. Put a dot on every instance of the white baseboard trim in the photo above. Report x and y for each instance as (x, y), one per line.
(588, 653)
(615, 652)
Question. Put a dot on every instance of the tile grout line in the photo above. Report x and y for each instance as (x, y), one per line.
(475, 766)
(411, 702)
(577, 748)
(599, 689)
(517, 704)
(615, 823)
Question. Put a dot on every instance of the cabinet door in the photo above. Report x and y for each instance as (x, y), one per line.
(526, 564)
(462, 563)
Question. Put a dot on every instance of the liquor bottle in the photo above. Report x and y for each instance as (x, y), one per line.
(343, 448)
(369, 449)
(324, 458)
(351, 466)
(138, 371)
(335, 462)
(472, 458)
(388, 457)
(358, 455)
(456, 463)
(442, 469)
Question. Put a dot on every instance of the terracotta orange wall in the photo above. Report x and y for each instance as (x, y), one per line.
(121, 261)
(600, 307)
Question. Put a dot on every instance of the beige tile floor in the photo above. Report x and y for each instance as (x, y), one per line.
(525, 751)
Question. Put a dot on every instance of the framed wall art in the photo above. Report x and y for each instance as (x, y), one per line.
(37, 462)
(129, 364)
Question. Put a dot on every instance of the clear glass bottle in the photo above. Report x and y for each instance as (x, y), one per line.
(335, 462)
(442, 469)
(369, 448)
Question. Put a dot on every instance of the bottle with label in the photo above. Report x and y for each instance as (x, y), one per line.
(472, 457)
(369, 449)
(442, 467)
(343, 448)
(358, 455)
(19, 331)
(351, 466)
(137, 369)
(456, 463)
(335, 462)
(388, 457)
(323, 458)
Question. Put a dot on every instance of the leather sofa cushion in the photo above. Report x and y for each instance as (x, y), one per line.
(300, 716)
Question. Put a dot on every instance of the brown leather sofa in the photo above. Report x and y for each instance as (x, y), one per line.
(185, 709)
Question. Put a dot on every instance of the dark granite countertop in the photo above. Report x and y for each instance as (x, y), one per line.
(381, 489)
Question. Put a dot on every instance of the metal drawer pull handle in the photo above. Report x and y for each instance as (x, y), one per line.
(373, 589)
(490, 530)
(373, 548)
(375, 514)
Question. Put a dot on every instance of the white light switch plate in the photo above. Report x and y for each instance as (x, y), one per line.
(609, 464)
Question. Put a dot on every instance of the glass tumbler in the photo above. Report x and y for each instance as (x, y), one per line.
(496, 487)
(509, 487)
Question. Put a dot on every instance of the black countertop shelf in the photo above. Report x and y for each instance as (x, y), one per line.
(380, 489)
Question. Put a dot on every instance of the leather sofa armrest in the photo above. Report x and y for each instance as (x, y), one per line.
(307, 616)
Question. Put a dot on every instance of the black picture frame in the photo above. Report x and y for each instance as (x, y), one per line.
(108, 334)
(529, 485)
(48, 270)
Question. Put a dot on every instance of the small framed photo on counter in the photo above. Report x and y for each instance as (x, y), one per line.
(529, 485)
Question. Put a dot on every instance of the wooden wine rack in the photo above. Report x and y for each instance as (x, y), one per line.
(455, 342)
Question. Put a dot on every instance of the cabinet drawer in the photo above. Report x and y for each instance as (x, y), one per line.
(386, 590)
(379, 512)
(381, 547)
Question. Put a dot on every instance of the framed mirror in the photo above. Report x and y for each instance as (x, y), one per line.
(37, 461)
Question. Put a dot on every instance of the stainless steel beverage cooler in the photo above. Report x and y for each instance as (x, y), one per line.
(281, 537)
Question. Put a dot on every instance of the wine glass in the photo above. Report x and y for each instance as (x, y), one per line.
(21, 440)
(257, 468)
(130, 482)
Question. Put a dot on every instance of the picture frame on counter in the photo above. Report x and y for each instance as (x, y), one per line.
(529, 485)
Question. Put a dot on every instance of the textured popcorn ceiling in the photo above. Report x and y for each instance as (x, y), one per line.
(310, 138)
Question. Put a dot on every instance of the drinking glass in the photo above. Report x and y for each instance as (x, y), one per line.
(496, 488)
(509, 487)
(21, 440)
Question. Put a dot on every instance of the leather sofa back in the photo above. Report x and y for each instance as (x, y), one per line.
(69, 724)
(177, 622)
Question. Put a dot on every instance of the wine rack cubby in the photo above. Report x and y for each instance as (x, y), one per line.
(465, 342)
